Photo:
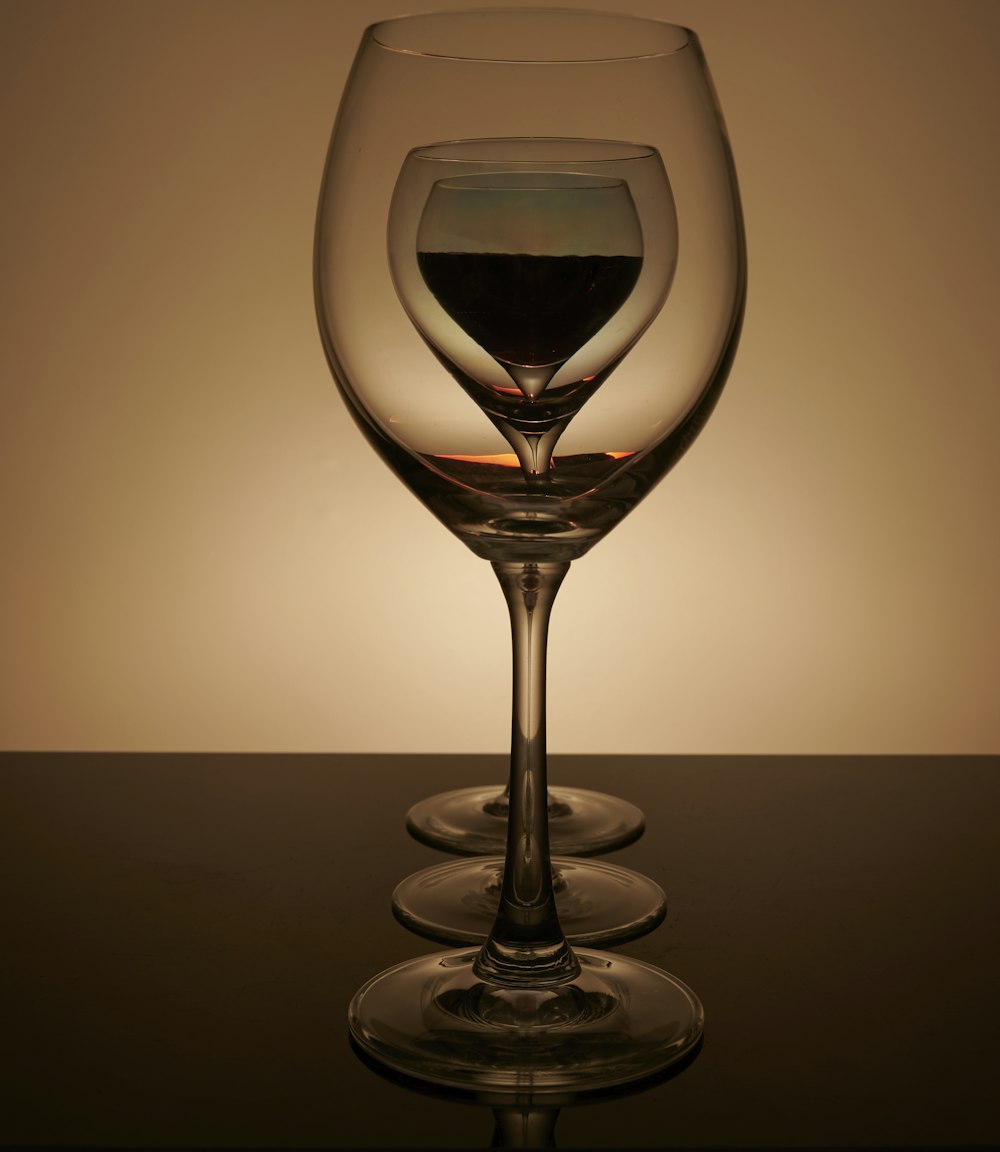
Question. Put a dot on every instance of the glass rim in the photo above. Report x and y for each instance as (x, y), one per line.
(491, 182)
(614, 151)
(685, 37)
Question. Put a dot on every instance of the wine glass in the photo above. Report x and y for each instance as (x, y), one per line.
(512, 258)
(473, 821)
(530, 278)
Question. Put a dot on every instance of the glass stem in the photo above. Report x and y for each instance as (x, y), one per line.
(524, 1128)
(526, 945)
(533, 449)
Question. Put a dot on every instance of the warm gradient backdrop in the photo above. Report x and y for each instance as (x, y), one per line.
(200, 552)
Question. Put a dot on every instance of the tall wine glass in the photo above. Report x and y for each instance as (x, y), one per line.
(572, 164)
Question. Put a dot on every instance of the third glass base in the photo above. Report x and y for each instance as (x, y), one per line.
(599, 904)
(473, 821)
(620, 1020)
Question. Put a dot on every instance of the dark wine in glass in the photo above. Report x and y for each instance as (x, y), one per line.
(531, 312)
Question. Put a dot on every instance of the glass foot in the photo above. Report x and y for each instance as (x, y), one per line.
(619, 1021)
(473, 821)
(598, 904)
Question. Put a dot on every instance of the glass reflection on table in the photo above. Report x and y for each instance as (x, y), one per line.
(526, 1117)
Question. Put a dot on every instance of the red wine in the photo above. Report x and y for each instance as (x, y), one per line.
(529, 310)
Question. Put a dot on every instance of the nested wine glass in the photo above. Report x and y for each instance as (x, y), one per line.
(530, 278)
(524, 265)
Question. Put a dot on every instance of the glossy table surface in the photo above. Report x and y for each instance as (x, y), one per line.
(182, 934)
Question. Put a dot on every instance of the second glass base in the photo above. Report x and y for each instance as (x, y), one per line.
(599, 904)
(473, 821)
(619, 1021)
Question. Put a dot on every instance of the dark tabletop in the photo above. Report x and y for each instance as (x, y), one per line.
(181, 935)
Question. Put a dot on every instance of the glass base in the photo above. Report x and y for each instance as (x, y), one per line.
(598, 904)
(619, 1021)
(473, 821)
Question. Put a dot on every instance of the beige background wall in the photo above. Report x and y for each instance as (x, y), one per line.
(199, 551)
